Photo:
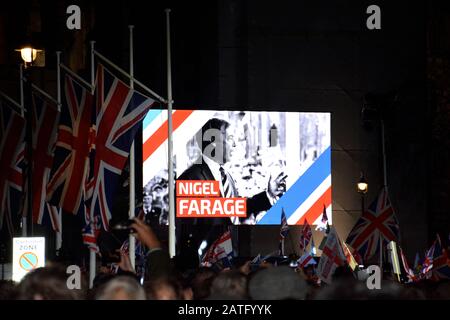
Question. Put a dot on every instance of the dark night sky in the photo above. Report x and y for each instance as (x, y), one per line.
(287, 37)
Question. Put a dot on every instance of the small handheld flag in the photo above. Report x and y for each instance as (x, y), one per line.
(322, 226)
(305, 236)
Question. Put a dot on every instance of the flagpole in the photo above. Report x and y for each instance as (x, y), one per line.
(381, 252)
(14, 103)
(385, 184)
(132, 239)
(22, 112)
(92, 253)
(58, 99)
(77, 77)
(22, 102)
(58, 79)
(172, 244)
(27, 99)
(383, 145)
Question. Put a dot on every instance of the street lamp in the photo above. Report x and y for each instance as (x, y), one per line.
(30, 55)
(362, 186)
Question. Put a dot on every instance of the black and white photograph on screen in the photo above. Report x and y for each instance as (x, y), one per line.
(262, 154)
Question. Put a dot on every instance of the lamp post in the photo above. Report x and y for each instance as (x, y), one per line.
(362, 187)
(28, 54)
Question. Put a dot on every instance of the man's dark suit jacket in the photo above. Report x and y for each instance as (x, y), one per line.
(209, 229)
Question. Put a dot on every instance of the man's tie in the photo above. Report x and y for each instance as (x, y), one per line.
(228, 191)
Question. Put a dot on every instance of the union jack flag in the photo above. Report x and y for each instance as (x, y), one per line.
(441, 269)
(430, 254)
(90, 233)
(139, 257)
(378, 221)
(51, 217)
(417, 262)
(284, 230)
(305, 235)
(65, 188)
(412, 277)
(437, 264)
(12, 132)
(119, 111)
(44, 120)
(124, 249)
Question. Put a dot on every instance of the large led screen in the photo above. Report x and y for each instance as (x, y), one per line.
(278, 161)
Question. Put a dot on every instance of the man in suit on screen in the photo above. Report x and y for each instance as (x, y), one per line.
(216, 145)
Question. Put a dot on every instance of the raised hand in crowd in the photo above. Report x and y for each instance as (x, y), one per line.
(145, 234)
(245, 268)
(125, 263)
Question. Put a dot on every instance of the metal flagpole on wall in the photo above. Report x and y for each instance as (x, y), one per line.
(22, 104)
(58, 99)
(383, 145)
(172, 244)
(92, 254)
(385, 185)
(26, 99)
(132, 181)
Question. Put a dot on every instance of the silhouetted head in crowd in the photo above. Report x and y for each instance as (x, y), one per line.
(101, 279)
(187, 260)
(342, 289)
(163, 288)
(393, 290)
(8, 290)
(49, 283)
(201, 283)
(278, 283)
(309, 271)
(184, 282)
(442, 291)
(410, 292)
(344, 273)
(389, 290)
(229, 285)
(121, 288)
